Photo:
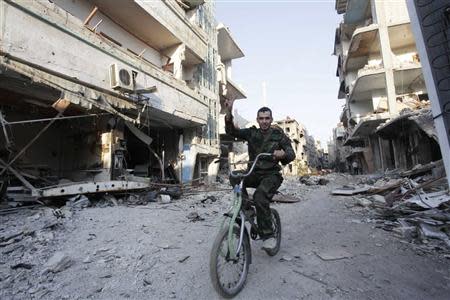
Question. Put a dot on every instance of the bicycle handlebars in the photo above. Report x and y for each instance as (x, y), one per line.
(236, 175)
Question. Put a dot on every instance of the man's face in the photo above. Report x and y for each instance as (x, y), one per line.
(264, 120)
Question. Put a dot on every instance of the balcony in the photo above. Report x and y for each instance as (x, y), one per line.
(234, 91)
(409, 79)
(80, 62)
(228, 48)
(358, 150)
(401, 37)
(368, 124)
(168, 28)
(364, 128)
(365, 41)
(189, 4)
(228, 88)
(368, 82)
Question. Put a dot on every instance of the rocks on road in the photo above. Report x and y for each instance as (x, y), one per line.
(332, 248)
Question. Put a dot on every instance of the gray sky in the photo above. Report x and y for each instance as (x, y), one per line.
(289, 45)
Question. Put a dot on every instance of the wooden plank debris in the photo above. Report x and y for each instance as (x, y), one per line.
(348, 191)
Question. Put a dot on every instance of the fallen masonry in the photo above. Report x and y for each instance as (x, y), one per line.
(414, 204)
(34, 261)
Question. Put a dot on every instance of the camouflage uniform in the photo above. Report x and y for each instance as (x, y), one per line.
(266, 177)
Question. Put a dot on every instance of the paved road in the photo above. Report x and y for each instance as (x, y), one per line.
(369, 263)
(156, 252)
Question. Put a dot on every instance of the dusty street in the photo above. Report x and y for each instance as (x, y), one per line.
(330, 250)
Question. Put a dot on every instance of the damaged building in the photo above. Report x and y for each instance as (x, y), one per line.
(382, 83)
(309, 154)
(228, 90)
(296, 132)
(103, 96)
(339, 152)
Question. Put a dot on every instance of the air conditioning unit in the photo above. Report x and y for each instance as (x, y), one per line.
(121, 78)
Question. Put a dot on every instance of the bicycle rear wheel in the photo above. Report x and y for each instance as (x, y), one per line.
(228, 276)
(276, 223)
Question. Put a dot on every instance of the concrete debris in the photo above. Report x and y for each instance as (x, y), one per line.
(406, 231)
(110, 198)
(182, 260)
(174, 192)
(286, 258)
(57, 263)
(430, 200)
(148, 247)
(283, 198)
(415, 206)
(364, 202)
(379, 199)
(164, 198)
(333, 254)
(428, 231)
(313, 180)
(424, 216)
(209, 199)
(152, 196)
(194, 217)
(350, 190)
(22, 266)
(79, 201)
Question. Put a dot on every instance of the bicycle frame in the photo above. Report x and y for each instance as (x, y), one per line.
(235, 210)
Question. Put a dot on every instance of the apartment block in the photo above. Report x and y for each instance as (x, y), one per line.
(110, 92)
(296, 132)
(380, 79)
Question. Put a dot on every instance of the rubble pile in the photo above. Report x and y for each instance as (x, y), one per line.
(25, 248)
(416, 209)
(313, 180)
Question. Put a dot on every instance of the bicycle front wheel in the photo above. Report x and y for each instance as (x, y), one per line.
(228, 275)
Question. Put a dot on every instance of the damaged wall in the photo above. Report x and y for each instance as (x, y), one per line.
(67, 149)
(76, 52)
(52, 44)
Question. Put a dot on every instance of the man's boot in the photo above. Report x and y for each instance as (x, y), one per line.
(269, 244)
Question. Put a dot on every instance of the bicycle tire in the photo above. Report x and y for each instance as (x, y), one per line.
(276, 223)
(216, 252)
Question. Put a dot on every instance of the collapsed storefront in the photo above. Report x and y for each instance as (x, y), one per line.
(92, 103)
(57, 143)
(412, 137)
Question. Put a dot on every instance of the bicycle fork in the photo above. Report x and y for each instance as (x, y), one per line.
(232, 215)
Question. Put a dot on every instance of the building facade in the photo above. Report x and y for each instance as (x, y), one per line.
(380, 77)
(296, 132)
(102, 90)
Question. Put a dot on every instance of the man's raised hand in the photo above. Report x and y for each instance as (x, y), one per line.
(279, 154)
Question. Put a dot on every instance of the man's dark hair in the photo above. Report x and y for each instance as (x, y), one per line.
(263, 110)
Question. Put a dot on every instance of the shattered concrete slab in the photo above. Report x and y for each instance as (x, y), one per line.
(333, 254)
(350, 190)
(430, 200)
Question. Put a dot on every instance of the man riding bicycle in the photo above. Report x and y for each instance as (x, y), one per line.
(266, 177)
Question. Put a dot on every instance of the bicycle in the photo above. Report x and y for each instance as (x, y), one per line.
(232, 244)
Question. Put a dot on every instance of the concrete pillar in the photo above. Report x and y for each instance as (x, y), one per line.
(382, 158)
(396, 154)
(386, 54)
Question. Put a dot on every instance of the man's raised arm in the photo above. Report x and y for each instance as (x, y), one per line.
(230, 128)
(289, 154)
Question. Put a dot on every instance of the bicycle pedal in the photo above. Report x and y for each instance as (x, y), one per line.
(249, 213)
(253, 233)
